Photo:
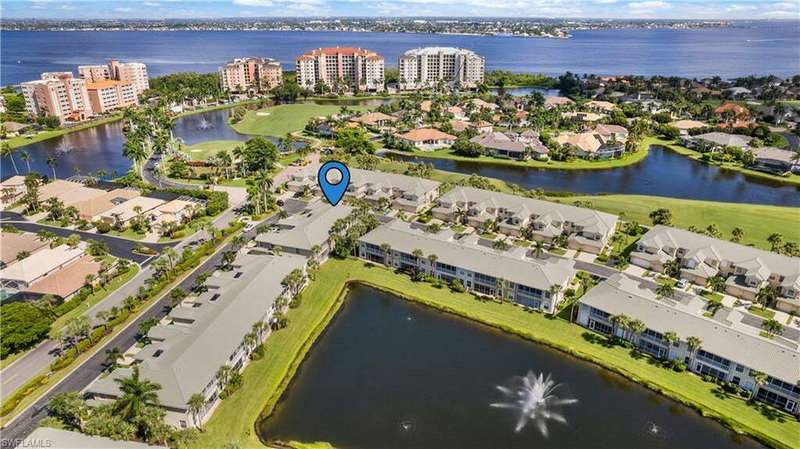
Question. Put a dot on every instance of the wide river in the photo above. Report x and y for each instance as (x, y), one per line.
(764, 47)
(389, 374)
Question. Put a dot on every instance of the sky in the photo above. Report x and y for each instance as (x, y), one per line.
(159, 9)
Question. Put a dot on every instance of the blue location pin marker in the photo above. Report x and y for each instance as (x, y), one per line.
(333, 191)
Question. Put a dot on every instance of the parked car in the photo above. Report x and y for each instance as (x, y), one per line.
(681, 284)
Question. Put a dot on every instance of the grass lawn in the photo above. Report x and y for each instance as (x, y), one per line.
(23, 140)
(98, 295)
(127, 234)
(201, 151)
(763, 313)
(711, 296)
(757, 221)
(577, 164)
(192, 227)
(286, 118)
(265, 379)
(696, 155)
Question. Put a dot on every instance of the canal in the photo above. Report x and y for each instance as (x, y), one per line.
(390, 374)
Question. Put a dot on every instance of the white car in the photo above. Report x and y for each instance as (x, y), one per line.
(249, 226)
(681, 284)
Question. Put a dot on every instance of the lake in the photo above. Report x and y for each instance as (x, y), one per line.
(663, 173)
(764, 47)
(390, 374)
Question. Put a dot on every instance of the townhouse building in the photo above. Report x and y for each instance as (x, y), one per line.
(585, 229)
(427, 67)
(58, 94)
(205, 333)
(342, 68)
(250, 75)
(732, 348)
(305, 233)
(513, 275)
(745, 269)
(406, 193)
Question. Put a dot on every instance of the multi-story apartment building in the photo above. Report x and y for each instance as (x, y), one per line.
(58, 94)
(134, 73)
(585, 229)
(732, 346)
(206, 332)
(109, 95)
(513, 275)
(407, 193)
(700, 257)
(427, 67)
(250, 75)
(342, 68)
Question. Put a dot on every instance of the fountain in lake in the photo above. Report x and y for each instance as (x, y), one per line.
(63, 147)
(534, 397)
(204, 124)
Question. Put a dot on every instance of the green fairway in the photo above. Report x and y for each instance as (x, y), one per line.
(266, 379)
(757, 221)
(285, 118)
(201, 151)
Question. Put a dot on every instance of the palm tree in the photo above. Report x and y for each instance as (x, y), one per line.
(619, 322)
(136, 395)
(775, 239)
(223, 375)
(112, 355)
(196, 404)
(25, 155)
(736, 234)
(772, 327)
(52, 162)
(7, 150)
(538, 248)
(665, 290)
(670, 338)
(637, 327)
(432, 258)
(693, 344)
(387, 252)
(765, 295)
(759, 379)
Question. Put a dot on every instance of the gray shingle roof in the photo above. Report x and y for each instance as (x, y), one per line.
(189, 359)
(306, 229)
(510, 265)
(591, 220)
(729, 338)
(383, 180)
(65, 439)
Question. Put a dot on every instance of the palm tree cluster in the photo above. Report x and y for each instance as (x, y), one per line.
(345, 232)
(147, 130)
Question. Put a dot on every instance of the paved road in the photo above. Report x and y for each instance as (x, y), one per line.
(150, 175)
(119, 247)
(16, 374)
(32, 363)
(82, 376)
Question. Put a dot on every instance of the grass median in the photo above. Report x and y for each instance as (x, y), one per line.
(265, 380)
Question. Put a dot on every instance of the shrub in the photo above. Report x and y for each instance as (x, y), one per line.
(678, 366)
(24, 325)
(457, 286)
(102, 227)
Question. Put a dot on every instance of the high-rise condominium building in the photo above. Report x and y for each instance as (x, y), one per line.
(58, 94)
(426, 67)
(134, 73)
(108, 95)
(341, 67)
(250, 74)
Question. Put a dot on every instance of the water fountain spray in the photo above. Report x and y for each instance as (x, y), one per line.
(534, 397)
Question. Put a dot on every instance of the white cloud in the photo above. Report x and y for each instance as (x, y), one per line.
(651, 4)
(152, 4)
(123, 9)
(605, 2)
(261, 3)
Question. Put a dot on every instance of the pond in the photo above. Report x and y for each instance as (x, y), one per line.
(662, 173)
(391, 374)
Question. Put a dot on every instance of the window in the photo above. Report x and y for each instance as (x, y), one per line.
(739, 368)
